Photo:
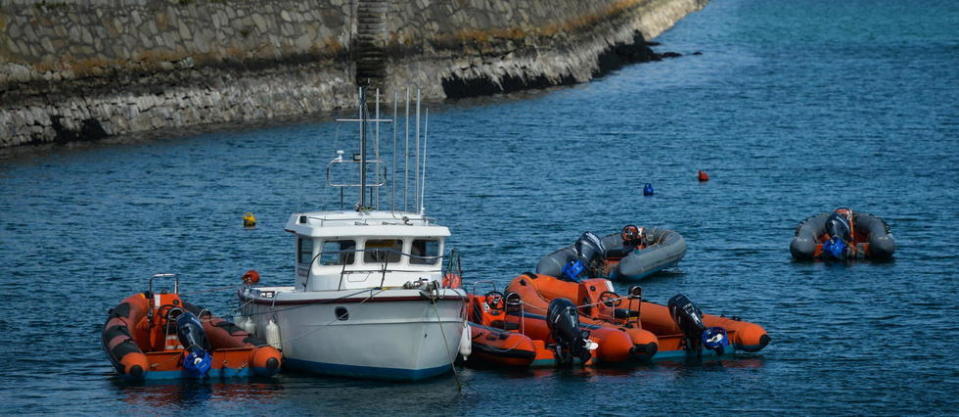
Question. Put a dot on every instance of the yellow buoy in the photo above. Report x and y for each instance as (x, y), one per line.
(249, 220)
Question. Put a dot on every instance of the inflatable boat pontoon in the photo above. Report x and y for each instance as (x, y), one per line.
(865, 237)
(665, 248)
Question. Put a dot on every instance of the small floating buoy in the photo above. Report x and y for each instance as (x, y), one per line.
(703, 176)
(251, 277)
(249, 220)
(648, 189)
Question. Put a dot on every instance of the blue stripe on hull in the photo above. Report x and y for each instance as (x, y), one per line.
(681, 354)
(214, 373)
(354, 371)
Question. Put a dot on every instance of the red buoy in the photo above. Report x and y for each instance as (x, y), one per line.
(251, 277)
(703, 176)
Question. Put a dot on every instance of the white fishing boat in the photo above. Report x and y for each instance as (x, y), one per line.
(372, 295)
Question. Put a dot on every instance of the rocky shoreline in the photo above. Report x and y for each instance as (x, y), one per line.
(47, 100)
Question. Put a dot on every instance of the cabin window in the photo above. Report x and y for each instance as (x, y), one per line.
(425, 252)
(338, 252)
(383, 250)
(304, 250)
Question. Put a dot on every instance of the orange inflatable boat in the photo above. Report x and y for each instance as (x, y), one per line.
(740, 335)
(536, 292)
(499, 347)
(159, 336)
(499, 339)
(654, 329)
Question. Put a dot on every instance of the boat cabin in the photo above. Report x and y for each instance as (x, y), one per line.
(355, 250)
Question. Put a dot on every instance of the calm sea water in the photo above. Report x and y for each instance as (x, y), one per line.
(794, 108)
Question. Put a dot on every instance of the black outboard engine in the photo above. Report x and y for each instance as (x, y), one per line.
(197, 360)
(838, 226)
(590, 247)
(592, 252)
(571, 341)
(690, 320)
(840, 232)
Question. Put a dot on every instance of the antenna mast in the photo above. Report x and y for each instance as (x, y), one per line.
(362, 99)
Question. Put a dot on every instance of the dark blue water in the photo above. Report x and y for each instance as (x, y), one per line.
(794, 108)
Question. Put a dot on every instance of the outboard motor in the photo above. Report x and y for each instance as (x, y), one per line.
(571, 341)
(838, 227)
(197, 361)
(590, 247)
(514, 312)
(592, 252)
(690, 320)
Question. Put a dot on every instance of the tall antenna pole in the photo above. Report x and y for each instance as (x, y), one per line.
(416, 176)
(362, 150)
(406, 154)
(393, 167)
(426, 136)
(376, 152)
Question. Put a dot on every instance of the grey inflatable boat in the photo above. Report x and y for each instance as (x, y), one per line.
(868, 238)
(664, 250)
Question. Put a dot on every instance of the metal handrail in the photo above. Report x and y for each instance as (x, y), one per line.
(176, 282)
(475, 284)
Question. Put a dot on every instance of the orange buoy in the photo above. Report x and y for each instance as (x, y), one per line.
(451, 280)
(703, 176)
(251, 277)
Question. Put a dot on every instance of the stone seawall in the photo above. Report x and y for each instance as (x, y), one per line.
(86, 69)
(457, 49)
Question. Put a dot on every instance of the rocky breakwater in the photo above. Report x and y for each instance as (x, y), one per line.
(86, 69)
(473, 47)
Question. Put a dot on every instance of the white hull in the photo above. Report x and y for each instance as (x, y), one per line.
(389, 334)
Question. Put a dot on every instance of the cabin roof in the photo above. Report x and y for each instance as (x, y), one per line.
(349, 223)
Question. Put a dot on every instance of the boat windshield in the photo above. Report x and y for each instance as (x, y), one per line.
(425, 251)
(338, 252)
(383, 250)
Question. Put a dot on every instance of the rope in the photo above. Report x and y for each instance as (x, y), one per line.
(446, 344)
(214, 289)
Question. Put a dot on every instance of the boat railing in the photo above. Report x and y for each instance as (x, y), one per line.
(454, 264)
(176, 282)
(473, 286)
